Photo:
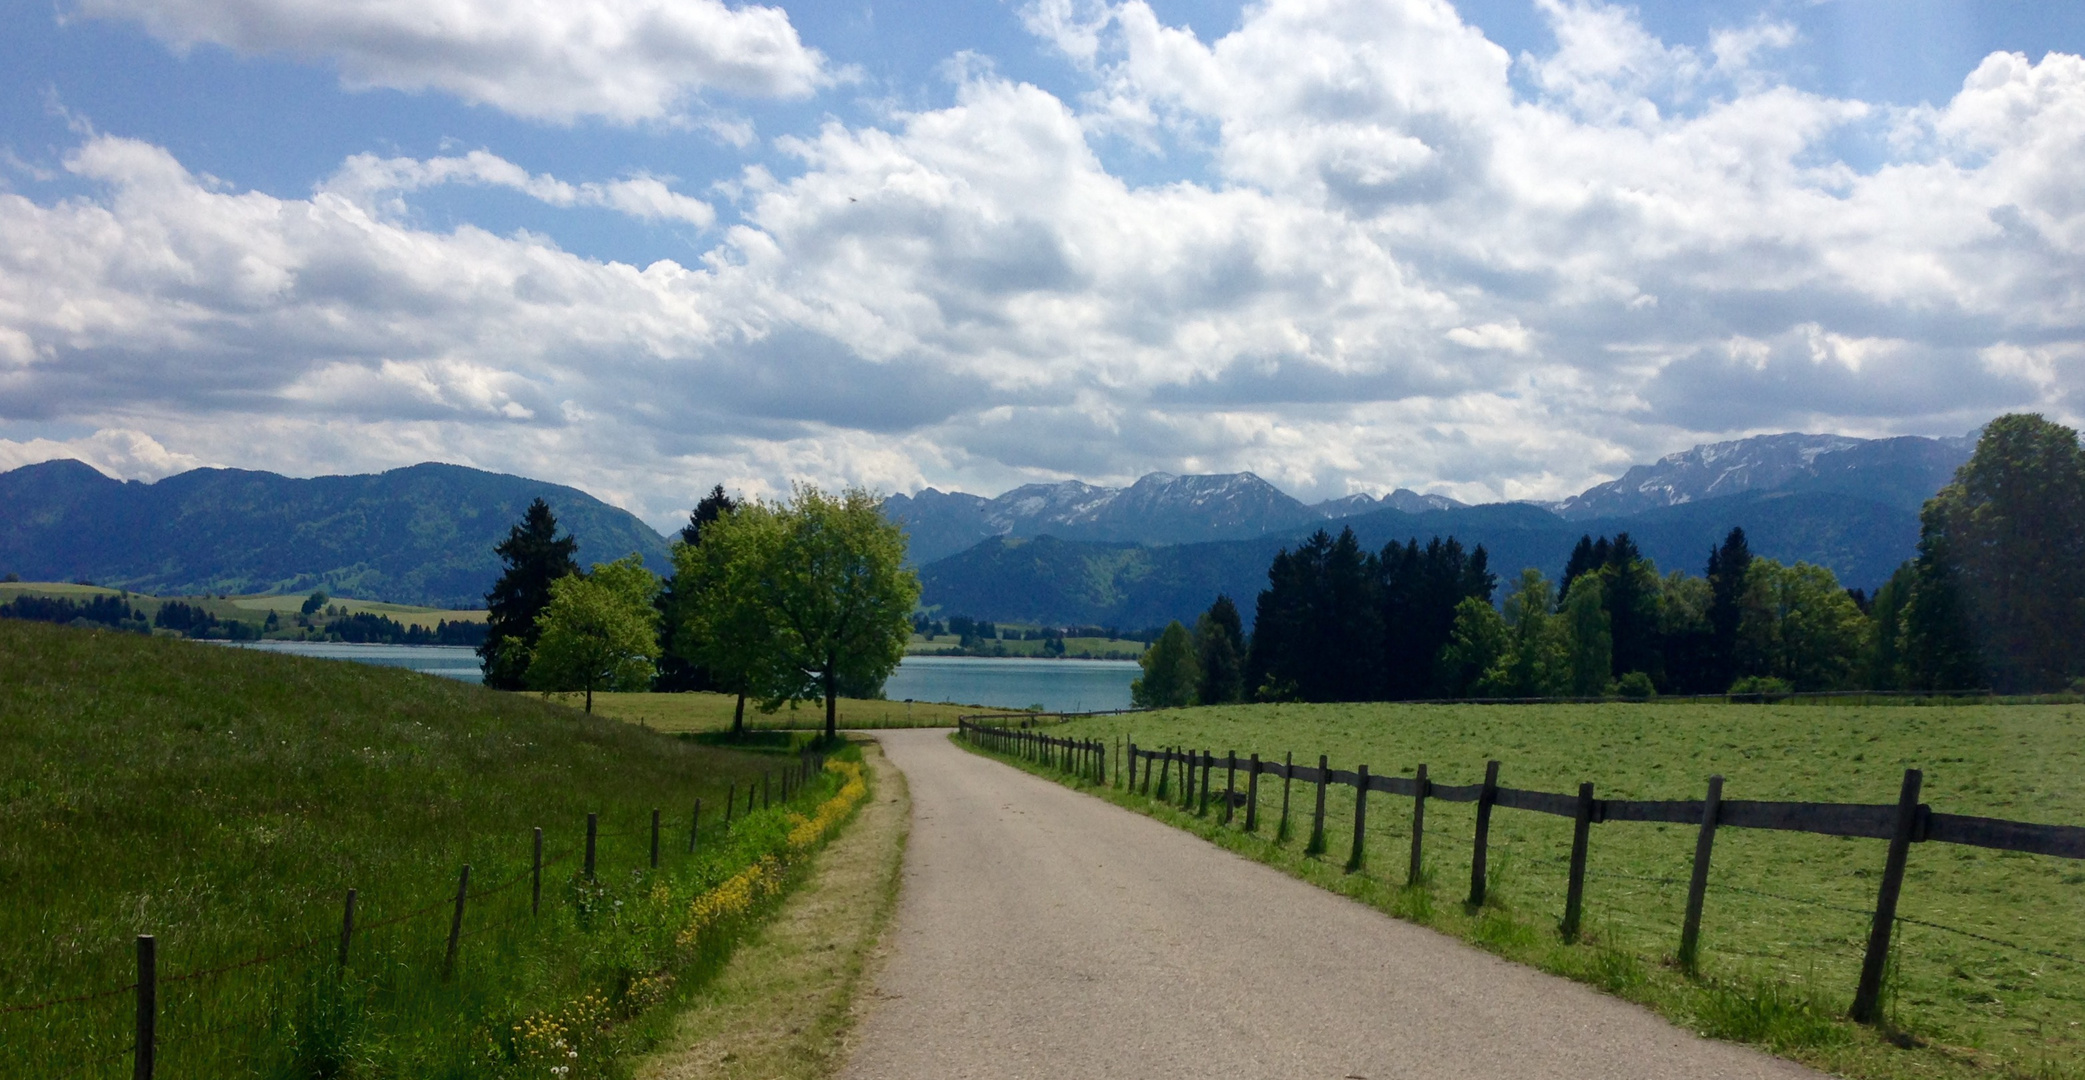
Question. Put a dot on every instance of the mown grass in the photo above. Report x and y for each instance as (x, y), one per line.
(224, 800)
(698, 712)
(1786, 918)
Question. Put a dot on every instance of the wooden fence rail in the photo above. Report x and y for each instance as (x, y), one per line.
(1903, 823)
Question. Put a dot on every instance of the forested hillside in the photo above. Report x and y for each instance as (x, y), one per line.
(418, 535)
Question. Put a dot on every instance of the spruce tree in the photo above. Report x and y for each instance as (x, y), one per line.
(534, 556)
(1220, 647)
(1728, 566)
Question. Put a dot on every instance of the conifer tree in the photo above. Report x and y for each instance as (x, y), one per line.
(535, 556)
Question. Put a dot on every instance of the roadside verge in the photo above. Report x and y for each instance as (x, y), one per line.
(784, 1006)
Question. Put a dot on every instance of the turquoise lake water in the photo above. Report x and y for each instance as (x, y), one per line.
(1056, 685)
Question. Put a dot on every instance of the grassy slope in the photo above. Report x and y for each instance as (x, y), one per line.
(253, 609)
(224, 800)
(1979, 1006)
(712, 712)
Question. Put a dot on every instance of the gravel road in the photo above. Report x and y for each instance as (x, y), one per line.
(1044, 933)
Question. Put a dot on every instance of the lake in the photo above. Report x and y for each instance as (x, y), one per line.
(1056, 685)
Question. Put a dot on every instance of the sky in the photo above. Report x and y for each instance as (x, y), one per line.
(1500, 249)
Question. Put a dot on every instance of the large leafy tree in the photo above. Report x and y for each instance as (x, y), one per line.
(1798, 625)
(725, 623)
(1535, 661)
(599, 631)
(831, 571)
(1171, 672)
(1589, 637)
(535, 556)
(678, 671)
(2008, 535)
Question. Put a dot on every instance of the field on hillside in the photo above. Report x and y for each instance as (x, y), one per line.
(2003, 986)
(225, 800)
(712, 712)
(253, 609)
(1078, 648)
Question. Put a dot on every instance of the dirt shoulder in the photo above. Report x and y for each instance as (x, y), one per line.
(783, 1009)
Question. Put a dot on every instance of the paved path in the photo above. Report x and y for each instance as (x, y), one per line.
(1043, 933)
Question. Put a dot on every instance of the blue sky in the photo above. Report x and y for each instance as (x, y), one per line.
(1495, 249)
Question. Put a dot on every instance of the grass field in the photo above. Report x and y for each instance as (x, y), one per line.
(253, 609)
(1786, 917)
(224, 800)
(677, 713)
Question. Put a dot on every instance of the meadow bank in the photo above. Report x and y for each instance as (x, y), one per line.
(225, 802)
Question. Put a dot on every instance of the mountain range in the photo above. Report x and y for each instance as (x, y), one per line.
(1068, 553)
(418, 535)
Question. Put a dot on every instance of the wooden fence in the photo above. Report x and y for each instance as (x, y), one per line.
(1904, 823)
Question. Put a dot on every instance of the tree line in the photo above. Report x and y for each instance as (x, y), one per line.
(774, 602)
(1994, 599)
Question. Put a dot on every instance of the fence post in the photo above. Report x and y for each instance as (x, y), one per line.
(694, 826)
(1230, 784)
(1100, 764)
(463, 886)
(1360, 815)
(655, 838)
(1485, 798)
(593, 824)
(730, 801)
(1208, 766)
(347, 927)
(1581, 835)
(1252, 795)
(765, 779)
(751, 794)
(1419, 782)
(1129, 767)
(535, 885)
(148, 1007)
(1288, 769)
(1165, 773)
(1867, 999)
(1697, 888)
(1316, 846)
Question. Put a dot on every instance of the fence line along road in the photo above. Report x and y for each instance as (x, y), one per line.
(1904, 823)
(145, 1042)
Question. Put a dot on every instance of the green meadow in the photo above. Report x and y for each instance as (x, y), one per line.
(225, 800)
(1988, 969)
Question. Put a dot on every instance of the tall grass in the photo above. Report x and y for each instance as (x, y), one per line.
(224, 801)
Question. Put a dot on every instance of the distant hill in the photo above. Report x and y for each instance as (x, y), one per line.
(1902, 472)
(1062, 582)
(417, 535)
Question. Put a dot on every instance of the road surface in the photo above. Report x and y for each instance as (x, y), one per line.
(1046, 934)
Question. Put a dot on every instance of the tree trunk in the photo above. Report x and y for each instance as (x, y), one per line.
(832, 701)
(738, 716)
(590, 699)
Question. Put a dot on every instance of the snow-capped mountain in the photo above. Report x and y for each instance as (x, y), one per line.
(1158, 509)
(1405, 499)
(1901, 472)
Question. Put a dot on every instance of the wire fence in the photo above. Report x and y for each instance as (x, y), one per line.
(142, 1043)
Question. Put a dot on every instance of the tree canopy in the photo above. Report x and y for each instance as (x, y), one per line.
(599, 631)
(835, 600)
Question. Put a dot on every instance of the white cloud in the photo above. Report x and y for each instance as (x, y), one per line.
(622, 60)
(378, 183)
(119, 452)
(1402, 273)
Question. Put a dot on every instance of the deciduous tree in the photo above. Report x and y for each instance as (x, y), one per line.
(1170, 672)
(599, 631)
